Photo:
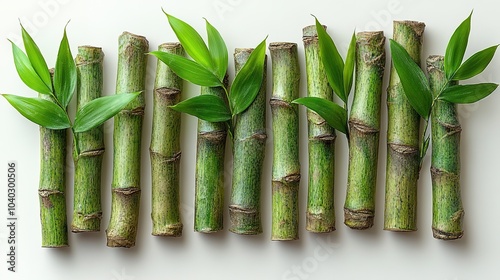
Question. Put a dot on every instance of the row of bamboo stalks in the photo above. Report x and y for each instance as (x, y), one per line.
(248, 137)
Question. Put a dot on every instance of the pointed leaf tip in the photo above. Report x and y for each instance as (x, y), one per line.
(36, 58)
(464, 94)
(207, 107)
(192, 43)
(26, 71)
(99, 110)
(332, 61)
(188, 70)
(248, 81)
(218, 50)
(456, 47)
(40, 111)
(333, 114)
(414, 82)
(65, 78)
(475, 64)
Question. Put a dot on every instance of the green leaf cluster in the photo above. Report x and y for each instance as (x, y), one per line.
(208, 68)
(416, 85)
(340, 77)
(33, 71)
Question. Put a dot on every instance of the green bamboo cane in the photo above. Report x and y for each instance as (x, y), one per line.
(87, 210)
(52, 185)
(364, 127)
(249, 151)
(447, 209)
(126, 191)
(285, 123)
(320, 215)
(165, 148)
(403, 159)
(209, 182)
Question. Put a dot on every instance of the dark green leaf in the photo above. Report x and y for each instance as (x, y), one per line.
(100, 110)
(248, 81)
(192, 42)
(64, 73)
(218, 50)
(207, 107)
(332, 61)
(462, 94)
(36, 58)
(26, 71)
(475, 64)
(40, 111)
(456, 47)
(333, 114)
(350, 61)
(415, 84)
(188, 69)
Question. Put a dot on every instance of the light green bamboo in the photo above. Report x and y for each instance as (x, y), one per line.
(209, 188)
(126, 191)
(403, 159)
(165, 150)
(320, 215)
(447, 209)
(87, 210)
(285, 123)
(249, 145)
(52, 185)
(364, 128)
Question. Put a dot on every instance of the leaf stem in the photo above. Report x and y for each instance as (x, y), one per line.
(75, 143)
(423, 149)
(425, 136)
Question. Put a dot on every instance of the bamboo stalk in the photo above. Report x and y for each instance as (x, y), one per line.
(364, 128)
(52, 185)
(249, 152)
(209, 181)
(165, 148)
(87, 210)
(285, 120)
(447, 209)
(126, 192)
(403, 159)
(320, 215)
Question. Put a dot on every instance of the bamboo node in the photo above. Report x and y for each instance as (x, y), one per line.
(168, 93)
(127, 191)
(214, 136)
(46, 194)
(362, 127)
(403, 149)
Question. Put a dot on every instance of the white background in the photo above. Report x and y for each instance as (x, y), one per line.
(344, 254)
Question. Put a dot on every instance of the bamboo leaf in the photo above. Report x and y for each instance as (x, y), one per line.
(248, 81)
(350, 61)
(462, 94)
(207, 107)
(192, 42)
(36, 58)
(456, 48)
(64, 73)
(413, 80)
(99, 110)
(333, 114)
(26, 71)
(475, 64)
(40, 111)
(188, 69)
(218, 50)
(332, 61)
